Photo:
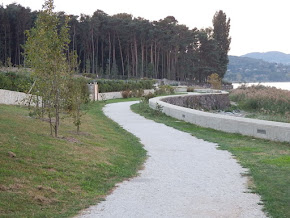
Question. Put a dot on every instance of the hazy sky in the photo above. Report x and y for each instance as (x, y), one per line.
(256, 25)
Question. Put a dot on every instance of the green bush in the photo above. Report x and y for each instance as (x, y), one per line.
(164, 90)
(15, 81)
(148, 96)
(122, 85)
(190, 89)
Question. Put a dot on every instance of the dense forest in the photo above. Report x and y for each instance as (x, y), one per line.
(245, 69)
(122, 46)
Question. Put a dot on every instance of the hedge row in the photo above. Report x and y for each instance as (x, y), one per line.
(22, 83)
(122, 85)
(15, 81)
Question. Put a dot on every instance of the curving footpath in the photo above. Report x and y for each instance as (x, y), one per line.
(182, 177)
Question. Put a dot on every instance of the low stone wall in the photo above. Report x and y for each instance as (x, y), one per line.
(115, 95)
(275, 131)
(204, 102)
(96, 96)
(13, 98)
(20, 98)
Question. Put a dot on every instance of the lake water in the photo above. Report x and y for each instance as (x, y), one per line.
(279, 85)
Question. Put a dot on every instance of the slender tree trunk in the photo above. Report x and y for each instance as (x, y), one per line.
(136, 55)
(78, 118)
(5, 44)
(50, 124)
(19, 54)
(133, 61)
(110, 48)
(93, 52)
(121, 55)
(74, 35)
(168, 65)
(128, 62)
(162, 65)
(157, 64)
(57, 107)
(175, 63)
(142, 59)
(114, 50)
(97, 56)
(155, 59)
(103, 55)
(151, 54)
(146, 60)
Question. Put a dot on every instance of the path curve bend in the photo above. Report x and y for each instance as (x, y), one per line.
(182, 177)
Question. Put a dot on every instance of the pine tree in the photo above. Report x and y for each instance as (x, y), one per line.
(221, 30)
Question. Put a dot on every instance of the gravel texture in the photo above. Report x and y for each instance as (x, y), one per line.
(182, 177)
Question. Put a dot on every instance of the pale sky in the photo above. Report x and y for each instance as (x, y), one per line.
(256, 25)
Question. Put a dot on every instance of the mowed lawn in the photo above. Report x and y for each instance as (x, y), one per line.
(268, 162)
(57, 177)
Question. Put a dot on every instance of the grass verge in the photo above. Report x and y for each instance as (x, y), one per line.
(57, 177)
(268, 162)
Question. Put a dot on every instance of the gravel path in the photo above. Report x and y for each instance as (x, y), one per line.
(183, 176)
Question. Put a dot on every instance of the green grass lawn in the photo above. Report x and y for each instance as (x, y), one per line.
(268, 161)
(57, 177)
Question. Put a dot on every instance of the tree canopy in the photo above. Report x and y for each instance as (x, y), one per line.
(123, 46)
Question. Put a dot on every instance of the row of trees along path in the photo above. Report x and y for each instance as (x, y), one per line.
(123, 46)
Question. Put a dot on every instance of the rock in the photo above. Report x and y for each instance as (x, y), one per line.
(11, 154)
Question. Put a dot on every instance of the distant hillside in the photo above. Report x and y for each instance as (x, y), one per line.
(244, 69)
(271, 56)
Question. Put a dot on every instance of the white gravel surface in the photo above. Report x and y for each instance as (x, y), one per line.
(182, 177)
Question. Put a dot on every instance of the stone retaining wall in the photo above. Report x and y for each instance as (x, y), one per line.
(275, 131)
(204, 102)
(13, 98)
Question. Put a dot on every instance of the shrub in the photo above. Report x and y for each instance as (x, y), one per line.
(90, 75)
(190, 89)
(148, 96)
(126, 94)
(122, 85)
(215, 81)
(164, 90)
(15, 81)
(137, 93)
(266, 100)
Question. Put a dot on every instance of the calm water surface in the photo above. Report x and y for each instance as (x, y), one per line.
(279, 85)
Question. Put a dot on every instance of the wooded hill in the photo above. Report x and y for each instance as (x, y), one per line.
(122, 46)
(271, 56)
(244, 69)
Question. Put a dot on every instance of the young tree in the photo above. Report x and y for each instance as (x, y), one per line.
(46, 51)
(77, 95)
(215, 81)
(221, 30)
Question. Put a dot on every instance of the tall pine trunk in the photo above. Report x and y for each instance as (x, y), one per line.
(136, 56)
(121, 55)
(97, 56)
(142, 59)
(93, 52)
(110, 48)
